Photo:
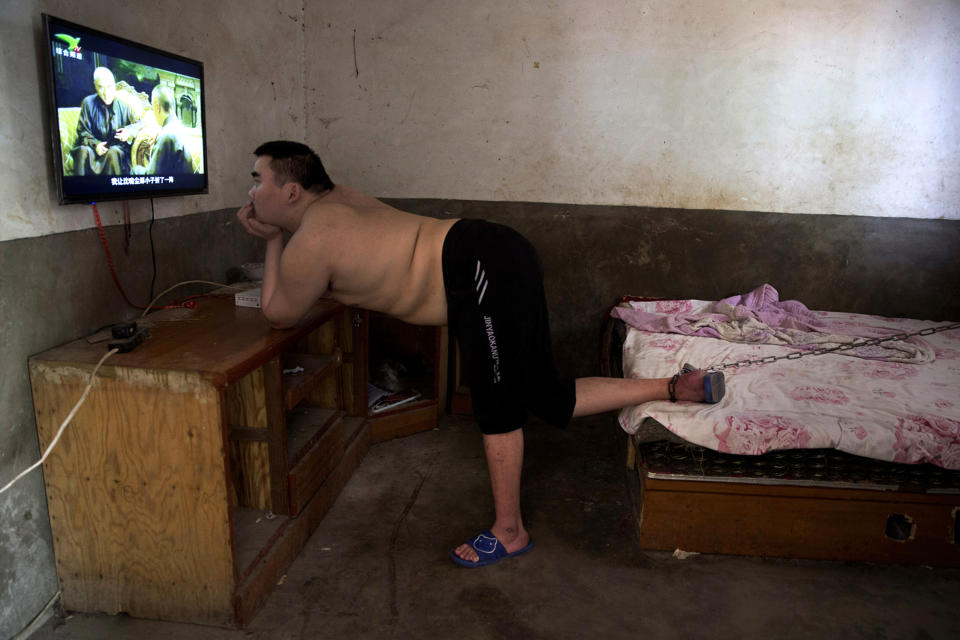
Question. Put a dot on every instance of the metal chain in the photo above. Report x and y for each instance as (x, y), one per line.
(869, 342)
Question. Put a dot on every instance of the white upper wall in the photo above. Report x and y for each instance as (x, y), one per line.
(840, 107)
(834, 107)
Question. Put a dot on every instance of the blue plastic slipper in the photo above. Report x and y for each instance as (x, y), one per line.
(489, 549)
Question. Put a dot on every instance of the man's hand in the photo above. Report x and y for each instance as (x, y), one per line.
(247, 216)
(101, 148)
(122, 134)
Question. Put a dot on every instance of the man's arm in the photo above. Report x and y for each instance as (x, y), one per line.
(294, 277)
(298, 277)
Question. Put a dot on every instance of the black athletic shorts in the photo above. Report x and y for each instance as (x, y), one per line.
(497, 310)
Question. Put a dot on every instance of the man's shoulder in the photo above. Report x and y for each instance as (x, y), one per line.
(321, 218)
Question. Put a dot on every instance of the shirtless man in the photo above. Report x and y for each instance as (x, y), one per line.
(482, 279)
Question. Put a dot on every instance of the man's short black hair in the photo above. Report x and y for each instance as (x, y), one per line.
(295, 162)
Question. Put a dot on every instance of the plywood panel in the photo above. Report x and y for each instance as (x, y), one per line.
(250, 472)
(246, 405)
(249, 460)
(137, 492)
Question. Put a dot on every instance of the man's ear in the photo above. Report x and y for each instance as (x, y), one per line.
(293, 192)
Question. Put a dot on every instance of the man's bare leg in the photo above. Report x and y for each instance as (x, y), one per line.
(505, 451)
(505, 464)
(596, 395)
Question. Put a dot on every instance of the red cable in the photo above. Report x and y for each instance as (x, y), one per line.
(103, 240)
(188, 303)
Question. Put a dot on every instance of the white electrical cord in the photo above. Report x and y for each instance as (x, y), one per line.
(38, 620)
(179, 284)
(65, 422)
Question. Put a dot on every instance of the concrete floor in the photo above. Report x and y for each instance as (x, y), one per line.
(377, 566)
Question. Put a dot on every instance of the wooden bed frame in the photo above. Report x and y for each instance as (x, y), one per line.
(799, 504)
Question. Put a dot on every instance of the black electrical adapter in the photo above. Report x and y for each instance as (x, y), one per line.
(128, 344)
(123, 330)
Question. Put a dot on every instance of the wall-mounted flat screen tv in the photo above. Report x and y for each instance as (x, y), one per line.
(127, 119)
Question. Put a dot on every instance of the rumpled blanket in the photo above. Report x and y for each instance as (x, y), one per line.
(900, 404)
(759, 317)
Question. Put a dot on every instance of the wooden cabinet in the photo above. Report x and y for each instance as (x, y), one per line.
(200, 462)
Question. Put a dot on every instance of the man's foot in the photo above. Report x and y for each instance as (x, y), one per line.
(485, 549)
(697, 386)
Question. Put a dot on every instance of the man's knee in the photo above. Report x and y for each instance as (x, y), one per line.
(498, 422)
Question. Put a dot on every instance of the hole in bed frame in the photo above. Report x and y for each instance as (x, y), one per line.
(900, 527)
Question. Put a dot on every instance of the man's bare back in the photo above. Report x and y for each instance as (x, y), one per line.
(381, 258)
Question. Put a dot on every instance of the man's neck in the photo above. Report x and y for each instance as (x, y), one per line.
(307, 199)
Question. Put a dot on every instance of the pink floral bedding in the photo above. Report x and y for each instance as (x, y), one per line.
(899, 401)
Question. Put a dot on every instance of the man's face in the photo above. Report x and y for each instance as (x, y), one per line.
(106, 88)
(266, 196)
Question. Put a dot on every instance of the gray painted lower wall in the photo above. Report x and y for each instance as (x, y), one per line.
(57, 288)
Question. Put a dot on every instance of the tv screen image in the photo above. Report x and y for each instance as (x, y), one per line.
(127, 119)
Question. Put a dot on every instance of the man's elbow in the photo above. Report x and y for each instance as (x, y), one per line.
(277, 319)
(280, 325)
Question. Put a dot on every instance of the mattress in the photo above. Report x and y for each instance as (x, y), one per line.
(897, 400)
